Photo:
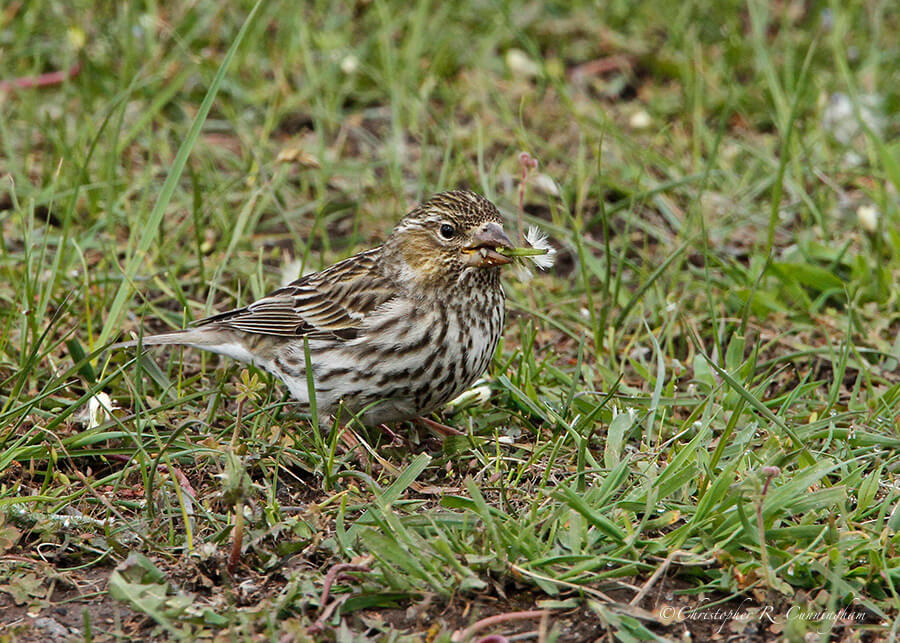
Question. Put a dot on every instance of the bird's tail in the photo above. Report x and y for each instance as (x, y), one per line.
(214, 340)
(190, 337)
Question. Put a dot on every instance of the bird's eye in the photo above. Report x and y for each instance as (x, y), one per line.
(448, 231)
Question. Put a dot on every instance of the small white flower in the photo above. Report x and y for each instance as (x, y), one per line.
(538, 240)
(545, 183)
(867, 215)
(349, 64)
(630, 411)
(512, 432)
(844, 121)
(290, 271)
(640, 120)
(520, 64)
(477, 395)
(99, 410)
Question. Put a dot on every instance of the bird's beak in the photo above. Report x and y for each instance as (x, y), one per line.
(482, 251)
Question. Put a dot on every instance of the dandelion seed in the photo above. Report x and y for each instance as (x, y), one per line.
(522, 272)
(540, 252)
(538, 240)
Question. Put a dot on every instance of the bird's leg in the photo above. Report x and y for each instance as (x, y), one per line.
(437, 427)
(396, 440)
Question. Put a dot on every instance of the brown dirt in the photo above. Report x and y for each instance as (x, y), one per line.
(62, 614)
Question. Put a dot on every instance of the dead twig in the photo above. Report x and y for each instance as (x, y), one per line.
(464, 635)
(655, 577)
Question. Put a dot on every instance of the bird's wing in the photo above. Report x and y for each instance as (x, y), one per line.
(330, 304)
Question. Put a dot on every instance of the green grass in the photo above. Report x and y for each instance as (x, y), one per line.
(697, 407)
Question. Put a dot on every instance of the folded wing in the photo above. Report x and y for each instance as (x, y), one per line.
(332, 304)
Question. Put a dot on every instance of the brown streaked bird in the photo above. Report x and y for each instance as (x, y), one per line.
(394, 332)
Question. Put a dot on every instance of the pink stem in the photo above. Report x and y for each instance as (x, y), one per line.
(528, 163)
(332, 575)
(43, 80)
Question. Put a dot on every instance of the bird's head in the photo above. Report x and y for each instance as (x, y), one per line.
(448, 235)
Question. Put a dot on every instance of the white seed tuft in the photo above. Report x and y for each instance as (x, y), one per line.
(539, 241)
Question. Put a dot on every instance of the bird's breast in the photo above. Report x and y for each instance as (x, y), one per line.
(412, 357)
